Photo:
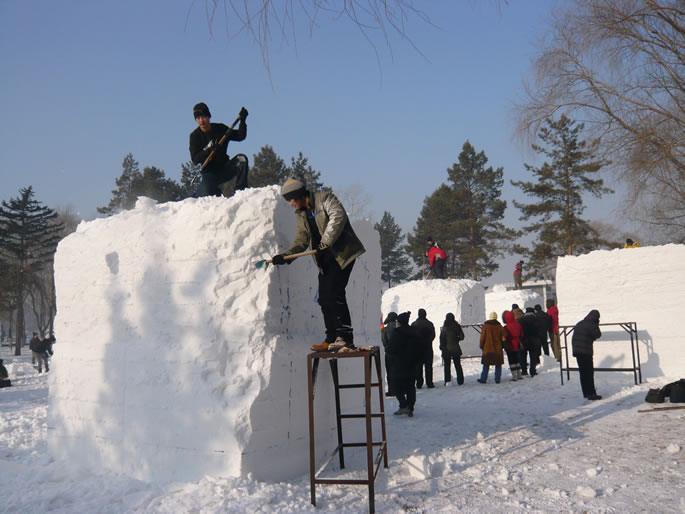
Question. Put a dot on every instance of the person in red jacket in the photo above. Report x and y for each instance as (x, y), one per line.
(513, 344)
(553, 312)
(518, 275)
(436, 258)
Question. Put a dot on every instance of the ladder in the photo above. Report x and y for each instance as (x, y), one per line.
(371, 356)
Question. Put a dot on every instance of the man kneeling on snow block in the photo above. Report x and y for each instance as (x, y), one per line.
(322, 224)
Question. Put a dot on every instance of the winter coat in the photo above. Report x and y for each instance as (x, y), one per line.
(426, 331)
(544, 325)
(553, 312)
(199, 141)
(491, 339)
(434, 253)
(514, 332)
(585, 333)
(386, 333)
(3, 372)
(450, 335)
(531, 333)
(404, 351)
(334, 226)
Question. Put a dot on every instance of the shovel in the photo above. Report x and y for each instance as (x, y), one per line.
(265, 263)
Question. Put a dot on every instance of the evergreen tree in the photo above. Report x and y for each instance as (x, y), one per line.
(28, 239)
(395, 264)
(481, 236)
(133, 184)
(465, 218)
(267, 169)
(558, 190)
(190, 179)
(301, 170)
(123, 197)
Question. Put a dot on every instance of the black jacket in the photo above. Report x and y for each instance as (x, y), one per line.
(450, 335)
(199, 141)
(404, 351)
(531, 334)
(585, 333)
(426, 331)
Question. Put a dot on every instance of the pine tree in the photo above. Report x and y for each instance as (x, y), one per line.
(190, 179)
(122, 197)
(465, 218)
(301, 170)
(395, 264)
(481, 236)
(558, 191)
(268, 168)
(132, 184)
(28, 240)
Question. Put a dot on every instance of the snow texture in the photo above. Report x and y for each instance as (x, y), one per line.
(178, 358)
(463, 298)
(645, 285)
(500, 300)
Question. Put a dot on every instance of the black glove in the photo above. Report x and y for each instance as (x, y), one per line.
(278, 259)
(322, 250)
(243, 113)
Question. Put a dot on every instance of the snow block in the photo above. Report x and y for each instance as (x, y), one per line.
(463, 298)
(644, 285)
(499, 300)
(178, 358)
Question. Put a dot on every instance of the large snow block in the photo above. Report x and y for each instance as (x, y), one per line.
(499, 300)
(645, 285)
(463, 298)
(178, 358)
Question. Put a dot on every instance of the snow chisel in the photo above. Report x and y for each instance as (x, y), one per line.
(223, 139)
(263, 264)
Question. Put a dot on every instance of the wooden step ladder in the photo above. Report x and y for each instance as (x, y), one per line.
(371, 356)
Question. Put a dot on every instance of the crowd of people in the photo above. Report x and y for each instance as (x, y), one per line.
(524, 337)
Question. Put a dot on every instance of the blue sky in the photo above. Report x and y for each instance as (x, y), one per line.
(85, 83)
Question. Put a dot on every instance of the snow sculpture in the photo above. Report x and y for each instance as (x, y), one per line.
(500, 300)
(645, 285)
(463, 298)
(177, 358)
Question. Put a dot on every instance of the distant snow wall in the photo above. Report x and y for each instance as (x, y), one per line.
(178, 358)
(463, 298)
(499, 300)
(645, 285)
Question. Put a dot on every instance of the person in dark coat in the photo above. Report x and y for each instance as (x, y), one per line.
(205, 139)
(450, 335)
(585, 333)
(544, 324)
(389, 326)
(492, 337)
(4, 376)
(39, 349)
(405, 353)
(426, 331)
(531, 340)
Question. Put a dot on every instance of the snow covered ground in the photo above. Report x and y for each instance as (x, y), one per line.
(533, 446)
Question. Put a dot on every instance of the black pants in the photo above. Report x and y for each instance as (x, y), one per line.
(523, 360)
(586, 369)
(405, 392)
(210, 184)
(438, 268)
(427, 364)
(447, 362)
(333, 302)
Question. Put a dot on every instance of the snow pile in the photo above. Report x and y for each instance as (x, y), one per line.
(177, 358)
(463, 298)
(499, 300)
(645, 285)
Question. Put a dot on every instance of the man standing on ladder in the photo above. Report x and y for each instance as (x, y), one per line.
(323, 225)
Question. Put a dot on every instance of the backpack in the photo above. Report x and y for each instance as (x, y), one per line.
(675, 391)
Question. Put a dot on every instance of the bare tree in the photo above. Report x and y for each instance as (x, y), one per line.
(356, 201)
(619, 66)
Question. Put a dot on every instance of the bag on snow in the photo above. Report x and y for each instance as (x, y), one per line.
(655, 396)
(678, 391)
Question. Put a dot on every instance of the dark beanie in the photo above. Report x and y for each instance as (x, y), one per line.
(201, 109)
(529, 309)
(593, 315)
(422, 313)
(403, 318)
(392, 316)
(449, 317)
